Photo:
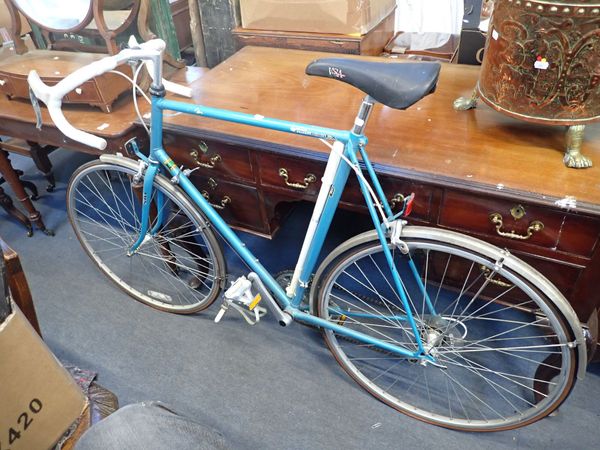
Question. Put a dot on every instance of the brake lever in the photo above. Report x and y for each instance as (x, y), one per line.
(36, 109)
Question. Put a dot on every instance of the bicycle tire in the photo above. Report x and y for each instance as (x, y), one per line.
(504, 351)
(180, 269)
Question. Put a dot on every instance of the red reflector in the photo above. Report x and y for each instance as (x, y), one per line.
(408, 204)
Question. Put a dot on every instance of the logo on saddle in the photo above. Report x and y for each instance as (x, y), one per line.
(336, 73)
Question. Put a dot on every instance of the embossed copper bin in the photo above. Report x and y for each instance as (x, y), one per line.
(542, 64)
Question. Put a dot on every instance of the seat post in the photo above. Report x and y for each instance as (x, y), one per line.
(363, 115)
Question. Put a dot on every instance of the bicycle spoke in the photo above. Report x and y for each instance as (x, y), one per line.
(487, 345)
(172, 269)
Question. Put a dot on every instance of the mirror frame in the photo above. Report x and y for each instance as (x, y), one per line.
(86, 20)
(107, 34)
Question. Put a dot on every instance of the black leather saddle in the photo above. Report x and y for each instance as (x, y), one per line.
(397, 85)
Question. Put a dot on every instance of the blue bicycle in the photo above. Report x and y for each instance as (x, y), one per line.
(438, 325)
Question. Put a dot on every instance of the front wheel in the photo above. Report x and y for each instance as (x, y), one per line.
(179, 268)
(503, 353)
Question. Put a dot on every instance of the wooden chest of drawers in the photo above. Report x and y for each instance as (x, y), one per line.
(371, 43)
(476, 172)
(53, 66)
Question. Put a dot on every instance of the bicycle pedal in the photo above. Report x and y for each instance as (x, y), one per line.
(239, 296)
(255, 302)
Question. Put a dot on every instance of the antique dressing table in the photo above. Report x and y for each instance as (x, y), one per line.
(477, 171)
(18, 121)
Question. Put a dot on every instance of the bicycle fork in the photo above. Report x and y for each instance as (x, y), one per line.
(146, 173)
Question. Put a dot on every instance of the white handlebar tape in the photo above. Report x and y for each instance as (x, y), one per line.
(52, 95)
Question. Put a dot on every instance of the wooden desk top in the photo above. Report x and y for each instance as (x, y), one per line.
(92, 120)
(481, 148)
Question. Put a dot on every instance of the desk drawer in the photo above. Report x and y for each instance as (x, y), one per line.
(239, 205)
(296, 175)
(212, 158)
(316, 42)
(563, 276)
(6, 86)
(519, 222)
(86, 93)
(395, 191)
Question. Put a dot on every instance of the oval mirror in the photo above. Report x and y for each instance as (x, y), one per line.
(54, 16)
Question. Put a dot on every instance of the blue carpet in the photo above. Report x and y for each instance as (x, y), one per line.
(262, 387)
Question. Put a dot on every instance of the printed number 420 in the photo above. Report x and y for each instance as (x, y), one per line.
(23, 422)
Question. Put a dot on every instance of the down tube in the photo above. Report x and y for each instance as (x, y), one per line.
(227, 233)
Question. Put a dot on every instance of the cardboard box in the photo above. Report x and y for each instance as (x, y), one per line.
(316, 16)
(39, 400)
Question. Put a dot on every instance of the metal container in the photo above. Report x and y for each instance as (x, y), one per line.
(542, 64)
(542, 61)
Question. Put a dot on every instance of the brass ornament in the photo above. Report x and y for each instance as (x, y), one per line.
(517, 212)
(542, 65)
(308, 179)
(534, 227)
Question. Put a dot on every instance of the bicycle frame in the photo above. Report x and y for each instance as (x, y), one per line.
(333, 183)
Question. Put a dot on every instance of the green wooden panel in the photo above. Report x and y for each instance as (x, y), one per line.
(161, 23)
(40, 42)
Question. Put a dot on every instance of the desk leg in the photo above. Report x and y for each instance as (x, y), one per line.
(8, 205)
(13, 180)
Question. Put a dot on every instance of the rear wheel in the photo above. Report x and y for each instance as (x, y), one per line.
(179, 269)
(503, 353)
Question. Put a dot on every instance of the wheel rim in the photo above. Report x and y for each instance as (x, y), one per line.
(175, 269)
(444, 395)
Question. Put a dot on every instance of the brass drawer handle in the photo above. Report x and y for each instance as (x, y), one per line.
(535, 226)
(226, 200)
(212, 162)
(487, 273)
(396, 199)
(308, 179)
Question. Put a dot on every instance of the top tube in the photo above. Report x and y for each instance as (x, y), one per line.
(256, 120)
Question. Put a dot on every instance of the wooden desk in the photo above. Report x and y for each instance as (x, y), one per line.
(17, 120)
(463, 166)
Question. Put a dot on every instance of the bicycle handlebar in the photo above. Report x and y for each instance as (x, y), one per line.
(52, 95)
